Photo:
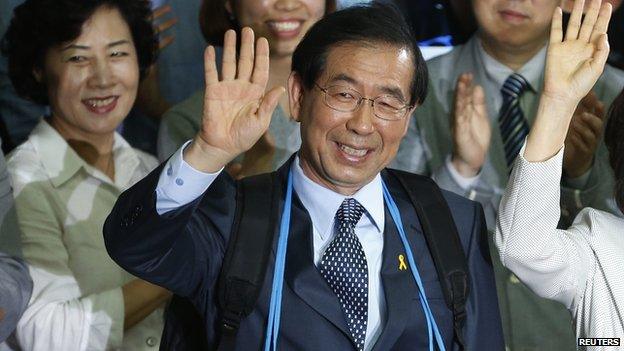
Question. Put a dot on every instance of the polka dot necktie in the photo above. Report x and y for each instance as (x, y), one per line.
(513, 126)
(344, 267)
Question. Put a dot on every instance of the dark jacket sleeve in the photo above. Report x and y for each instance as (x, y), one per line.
(178, 250)
(483, 330)
(15, 290)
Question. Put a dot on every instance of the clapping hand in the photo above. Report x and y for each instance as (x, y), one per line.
(149, 97)
(573, 66)
(162, 26)
(470, 126)
(583, 136)
(236, 112)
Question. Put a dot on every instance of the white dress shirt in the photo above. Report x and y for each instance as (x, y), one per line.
(180, 184)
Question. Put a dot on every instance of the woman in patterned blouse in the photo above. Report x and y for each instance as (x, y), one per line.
(83, 58)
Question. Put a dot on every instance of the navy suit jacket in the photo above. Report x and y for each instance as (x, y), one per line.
(183, 251)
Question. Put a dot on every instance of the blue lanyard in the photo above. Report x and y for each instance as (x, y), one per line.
(275, 308)
(432, 326)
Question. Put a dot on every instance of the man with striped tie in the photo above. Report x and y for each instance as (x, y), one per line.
(482, 101)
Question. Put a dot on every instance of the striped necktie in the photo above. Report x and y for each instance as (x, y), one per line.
(513, 126)
(345, 269)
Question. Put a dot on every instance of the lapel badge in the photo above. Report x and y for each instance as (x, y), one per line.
(402, 264)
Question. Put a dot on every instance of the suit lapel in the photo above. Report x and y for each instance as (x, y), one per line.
(301, 274)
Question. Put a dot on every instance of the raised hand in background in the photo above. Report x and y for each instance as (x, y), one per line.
(470, 126)
(236, 112)
(583, 136)
(573, 66)
(149, 97)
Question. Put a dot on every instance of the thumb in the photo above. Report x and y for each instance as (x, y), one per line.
(478, 96)
(601, 54)
(478, 99)
(591, 69)
(269, 102)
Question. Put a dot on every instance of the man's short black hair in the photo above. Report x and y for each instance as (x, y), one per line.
(39, 25)
(369, 24)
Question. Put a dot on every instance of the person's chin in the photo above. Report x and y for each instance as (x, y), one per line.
(350, 174)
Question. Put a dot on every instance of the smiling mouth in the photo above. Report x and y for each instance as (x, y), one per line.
(101, 105)
(285, 28)
(95, 103)
(350, 151)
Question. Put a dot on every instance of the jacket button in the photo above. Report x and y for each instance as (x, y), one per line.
(124, 222)
(513, 279)
(151, 341)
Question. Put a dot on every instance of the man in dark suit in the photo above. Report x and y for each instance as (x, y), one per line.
(357, 76)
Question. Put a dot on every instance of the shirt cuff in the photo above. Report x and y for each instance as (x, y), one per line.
(464, 182)
(180, 184)
(555, 160)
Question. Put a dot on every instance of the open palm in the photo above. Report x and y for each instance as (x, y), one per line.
(471, 127)
(237, 111)
(575, 63)
(573, 66)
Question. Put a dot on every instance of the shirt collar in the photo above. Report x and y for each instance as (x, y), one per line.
(497, 72)
(61, 162)
(322, 203)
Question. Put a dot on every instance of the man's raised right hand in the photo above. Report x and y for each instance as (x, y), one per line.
(236, 112)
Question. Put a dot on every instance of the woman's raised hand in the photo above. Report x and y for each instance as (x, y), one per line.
(573, 66)
(575, 63)
(236, 111)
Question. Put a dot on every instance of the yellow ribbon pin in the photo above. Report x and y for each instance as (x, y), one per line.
(402, 265)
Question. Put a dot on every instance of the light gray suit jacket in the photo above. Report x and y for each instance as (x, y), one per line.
(529, 322)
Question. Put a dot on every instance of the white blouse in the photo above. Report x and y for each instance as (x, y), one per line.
(581, 267)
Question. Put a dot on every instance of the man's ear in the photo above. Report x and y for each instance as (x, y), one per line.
(408, 118)
(295, 95)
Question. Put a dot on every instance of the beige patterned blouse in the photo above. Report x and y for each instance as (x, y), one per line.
(61, 204)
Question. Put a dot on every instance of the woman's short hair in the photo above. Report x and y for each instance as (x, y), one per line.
(39, 25)
(215, 20)
(614, 139)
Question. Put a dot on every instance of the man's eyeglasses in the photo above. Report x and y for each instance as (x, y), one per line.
(345, 99)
